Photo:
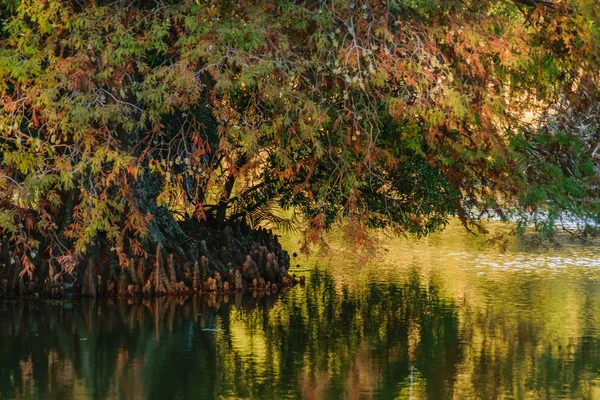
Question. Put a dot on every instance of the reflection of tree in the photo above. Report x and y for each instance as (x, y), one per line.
(324, 335)
(321, 341)
(202, 349)
(536, 338)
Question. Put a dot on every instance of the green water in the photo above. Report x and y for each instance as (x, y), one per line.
(448, 317)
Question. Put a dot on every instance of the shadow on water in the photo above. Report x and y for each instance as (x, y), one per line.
(386, 340)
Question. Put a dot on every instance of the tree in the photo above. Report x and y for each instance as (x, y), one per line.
(135, 122)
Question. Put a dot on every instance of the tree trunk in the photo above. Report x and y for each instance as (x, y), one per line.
(227, 190)
(163, 229)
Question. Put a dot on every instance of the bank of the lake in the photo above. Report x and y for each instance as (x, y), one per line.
(216, 259)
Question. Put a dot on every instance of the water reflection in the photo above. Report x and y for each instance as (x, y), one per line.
(311, 343)
(423, 322)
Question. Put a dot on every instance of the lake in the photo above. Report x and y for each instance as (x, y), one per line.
(445, 317)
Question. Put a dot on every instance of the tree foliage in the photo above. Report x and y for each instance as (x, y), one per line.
(130, 120)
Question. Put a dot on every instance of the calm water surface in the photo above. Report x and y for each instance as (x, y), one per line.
(446, 317)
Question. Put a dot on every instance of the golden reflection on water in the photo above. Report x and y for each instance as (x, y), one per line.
(447, 317)
(516, 309)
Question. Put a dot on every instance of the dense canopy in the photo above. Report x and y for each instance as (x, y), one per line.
(135, 121)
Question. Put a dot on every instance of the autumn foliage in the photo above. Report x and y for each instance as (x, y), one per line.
(133, 122)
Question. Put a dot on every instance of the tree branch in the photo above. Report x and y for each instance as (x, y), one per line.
(534, 3)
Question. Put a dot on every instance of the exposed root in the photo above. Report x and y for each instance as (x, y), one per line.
(225, 261)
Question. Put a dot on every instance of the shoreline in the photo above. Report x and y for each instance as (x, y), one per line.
(226, 261)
